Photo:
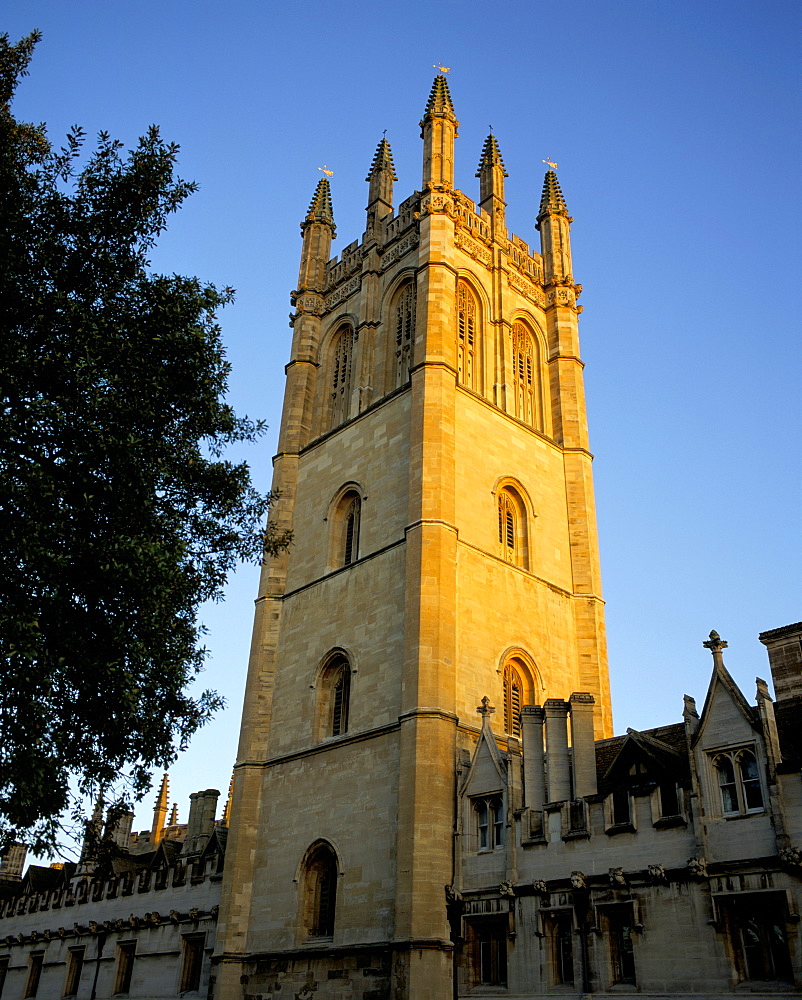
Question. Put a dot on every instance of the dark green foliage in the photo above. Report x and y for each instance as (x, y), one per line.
(119, 515)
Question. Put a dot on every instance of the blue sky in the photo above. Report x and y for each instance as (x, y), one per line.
(675, 124)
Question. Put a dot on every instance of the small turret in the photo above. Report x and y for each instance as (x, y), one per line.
(438, 131)
(160, 811)
(491, 174)
(381, 177)
(318, 231)
(554, 223)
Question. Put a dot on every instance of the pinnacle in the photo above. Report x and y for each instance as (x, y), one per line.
(491, 155)
(439, 98)
(552, 201)
(382, 160)
(320, 209)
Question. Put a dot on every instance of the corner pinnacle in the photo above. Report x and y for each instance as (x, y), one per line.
(491, 156)
(382, 160)
(439, 99)
(320, 209)
(552, 201)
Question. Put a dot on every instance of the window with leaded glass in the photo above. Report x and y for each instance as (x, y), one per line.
(466, 335)
(739, 782)
(341, 375)
(524, 375)
(404, 320)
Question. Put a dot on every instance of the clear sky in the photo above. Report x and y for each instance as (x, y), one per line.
(675, 124)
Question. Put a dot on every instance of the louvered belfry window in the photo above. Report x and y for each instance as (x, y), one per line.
(351, 532)
(341, 376)
(507, 526)
(466, 335)
(321, 892)
(513, 698)
(404, 333)
(340, 698)
(524, 374)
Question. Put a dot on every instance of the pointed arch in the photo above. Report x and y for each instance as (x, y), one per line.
(341, 364)
(333, 687)
(521, 685)
(467, 335)
(402, 324)
(318, 884)
(526, 380)
(514, 522)
(345, 520)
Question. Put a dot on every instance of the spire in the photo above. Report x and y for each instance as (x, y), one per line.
(380, 193)
(173, 820)
(320, 209)
(491, 157)
(552, 201)
(382, 161)
(491, 174)
(160, 811)
(438, 131)
(439, 99)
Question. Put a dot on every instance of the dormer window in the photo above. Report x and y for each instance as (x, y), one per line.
(738, 782)
(489, 822)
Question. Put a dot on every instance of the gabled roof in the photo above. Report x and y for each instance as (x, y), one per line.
(722, 677)
(216, 844)
(664, 748)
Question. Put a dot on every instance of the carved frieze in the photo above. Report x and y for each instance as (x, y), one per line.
(340, 294)
(401, 248)
(310, 303)
(527, 289)
(563, 295)
(473, 249)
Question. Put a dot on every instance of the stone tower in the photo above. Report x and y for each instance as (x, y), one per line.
(434, 466)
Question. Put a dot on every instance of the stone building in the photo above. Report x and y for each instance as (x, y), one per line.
(429, 801)
(135, 916)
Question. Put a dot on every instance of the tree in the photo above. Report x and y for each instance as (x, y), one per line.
(120, 515)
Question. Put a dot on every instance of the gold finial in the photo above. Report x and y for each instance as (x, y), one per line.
(550, 163)
(443, 69)
(326, 171)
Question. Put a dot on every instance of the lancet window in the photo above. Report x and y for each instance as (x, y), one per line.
(404, 319)
(512, 528)
(334, 697)
(524, 375)
(513, 700)
(466, 335)
(341, 375)
(320, 892)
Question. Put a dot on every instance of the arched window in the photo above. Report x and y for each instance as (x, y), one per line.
(489, 813)
(342, 358)
(334, 697)
(466, 335)
(320, 892)
(404, 323)
(351, 530)
(513, 700)
(739, 782)
(525, 375)
(513, 539)
(345, 516)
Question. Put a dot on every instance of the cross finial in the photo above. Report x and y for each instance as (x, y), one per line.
(485, 709)
(716, 645)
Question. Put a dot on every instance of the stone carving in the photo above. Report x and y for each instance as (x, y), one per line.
(399, 250)
(616, 876)
(215, 910)
(452, 896)
(697, 867)
(657, 874)
(507, 889)
(540, 886)
(194, 914)
(791, 856)
(343, 292)
(309, 303)
(563, 295)
(578, 880)
(473, 249)
(520, 284)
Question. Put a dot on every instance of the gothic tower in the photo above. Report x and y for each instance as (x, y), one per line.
(434, 466)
